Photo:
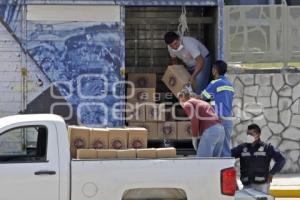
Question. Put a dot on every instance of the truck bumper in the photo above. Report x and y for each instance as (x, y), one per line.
(251, 194)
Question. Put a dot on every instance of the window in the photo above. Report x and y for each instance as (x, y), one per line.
(24, 144)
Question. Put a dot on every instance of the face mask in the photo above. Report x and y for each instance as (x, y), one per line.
(250, 139)
(178, 49)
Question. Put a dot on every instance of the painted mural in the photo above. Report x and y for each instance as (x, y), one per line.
(11, 14)
(82, 60)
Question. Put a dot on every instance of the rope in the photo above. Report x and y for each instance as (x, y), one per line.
(183, 26)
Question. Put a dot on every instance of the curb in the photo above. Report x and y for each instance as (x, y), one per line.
(285, 193)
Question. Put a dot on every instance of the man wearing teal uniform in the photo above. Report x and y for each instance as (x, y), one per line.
(221, 91)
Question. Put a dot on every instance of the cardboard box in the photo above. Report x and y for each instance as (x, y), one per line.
(136, 112)
(184, 130)
(166, 152)
(146, 153)
(164, 97)
(175, 78)
(140, 95)
(87, 154)
(118, 138)
(168, 113)
(150, 126)
(107, 154)
(98, 138)
(137, 138)
(127, 153)
(155, 112)
(167, 130)
(142, 80)
(159, 97)
(180, 113)
(137, 125)
(79, 138)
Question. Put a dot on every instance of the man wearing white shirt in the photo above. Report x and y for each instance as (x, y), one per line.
(195, 56)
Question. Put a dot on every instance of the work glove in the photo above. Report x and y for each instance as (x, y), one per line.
(195, 143)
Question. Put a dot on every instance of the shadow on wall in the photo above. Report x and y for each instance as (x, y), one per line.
(45, 103)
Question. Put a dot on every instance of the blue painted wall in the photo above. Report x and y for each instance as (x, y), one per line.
(83, 59)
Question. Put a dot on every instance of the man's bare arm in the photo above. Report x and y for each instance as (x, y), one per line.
(199, 66)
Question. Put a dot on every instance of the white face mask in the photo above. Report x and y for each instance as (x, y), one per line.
(178, 49)
(250, 139)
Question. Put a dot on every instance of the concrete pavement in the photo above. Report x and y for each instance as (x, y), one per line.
(286, 185)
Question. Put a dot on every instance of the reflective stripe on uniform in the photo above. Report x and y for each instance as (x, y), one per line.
(244, 154)
(206, 94)
(225, 88)
(213, 81)
(260, 153)
(257, 178)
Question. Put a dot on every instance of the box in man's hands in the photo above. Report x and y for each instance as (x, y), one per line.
(176, 78)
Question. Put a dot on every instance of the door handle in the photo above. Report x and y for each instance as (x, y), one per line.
(44, 172)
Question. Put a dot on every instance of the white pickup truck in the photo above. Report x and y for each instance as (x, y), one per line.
(42, 169)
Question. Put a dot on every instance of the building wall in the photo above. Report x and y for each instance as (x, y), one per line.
(83, 60)
(62, 62)
(12, 60)
(273, 102)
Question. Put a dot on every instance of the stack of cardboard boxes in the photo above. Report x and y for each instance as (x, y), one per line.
(177, 78)
(151, 153)
(140, 93)
(109, 143)
(142, 102)
(144, 111)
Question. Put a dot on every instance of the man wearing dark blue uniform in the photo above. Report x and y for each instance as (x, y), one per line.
(255, 157)
(221, 91)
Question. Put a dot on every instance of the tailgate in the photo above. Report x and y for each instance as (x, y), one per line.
(113, 179)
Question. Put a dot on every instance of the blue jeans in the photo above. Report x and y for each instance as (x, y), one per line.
(228, 126)
(211, 142)
(203, 78)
